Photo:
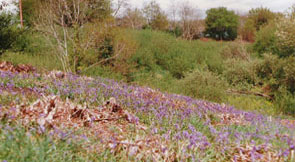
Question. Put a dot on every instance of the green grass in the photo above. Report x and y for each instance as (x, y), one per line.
(21, 145)
(252, 103)
(40, 61)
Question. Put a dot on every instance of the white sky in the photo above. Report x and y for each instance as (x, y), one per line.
(10, 7)
(241, 6)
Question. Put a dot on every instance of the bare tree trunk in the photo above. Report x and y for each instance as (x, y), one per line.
(21, 14)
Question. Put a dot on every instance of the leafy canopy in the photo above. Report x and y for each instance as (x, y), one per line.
(221, 24)
(260, 17)
(7, 31)
(156, 18)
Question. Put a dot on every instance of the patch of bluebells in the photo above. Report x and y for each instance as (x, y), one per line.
(170, 119)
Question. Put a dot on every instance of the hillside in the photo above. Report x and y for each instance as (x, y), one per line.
(59, 116)
(223, 72)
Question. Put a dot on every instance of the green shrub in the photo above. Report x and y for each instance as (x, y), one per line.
(285, 102)
(278, 37)
(177, 31)
(8, 32)
(204, 84)
(260, 17)
(277, 72)
(235, 50)
(240, 73)
(286, 36)
(248, 30)
(271, 71)
(161, 51)
(289, 74)
(32, 42)
(270, 67)
(158, 51)
(266, 40)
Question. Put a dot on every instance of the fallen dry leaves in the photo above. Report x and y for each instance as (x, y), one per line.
(110, 123)
(21, 68)
(231, 119)
(263, 153)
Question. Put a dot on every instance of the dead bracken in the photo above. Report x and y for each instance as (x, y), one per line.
(262, 153)
(52, 112)
(22, 68)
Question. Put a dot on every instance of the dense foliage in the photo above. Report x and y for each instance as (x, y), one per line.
(260, 17)
(221, 24)
(156, 18)
(277, 37)
(8, 33)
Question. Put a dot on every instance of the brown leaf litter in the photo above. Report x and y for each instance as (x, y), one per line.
(5, 91)
(262, 153)
(56, 74)
(110, 123)
(21, 68)
(288, 123)
(231, 119)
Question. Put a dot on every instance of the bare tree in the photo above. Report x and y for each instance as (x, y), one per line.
(21, 13)
(190, 20)
(71, 25)
(173, 10)
(133, 18)
(118, 5)
(54, 17)
(3, 5)
(156, 17)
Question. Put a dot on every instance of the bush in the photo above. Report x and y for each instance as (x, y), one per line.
(266, 40)
(240, 73)
(8, 33)
(277, 37)
(285, 102)
(271, 71)
(278, 72)
(205, 85)
(260, 17)
(235, 50)
(289, 74)
(29, 41)
(177, 31)
(160, 51)
(248, 31)
(286, 36)
(156, 18)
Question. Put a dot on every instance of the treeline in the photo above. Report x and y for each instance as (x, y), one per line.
(182, 19)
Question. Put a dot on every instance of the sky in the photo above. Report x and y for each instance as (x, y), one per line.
(241, 6)
(10, 6)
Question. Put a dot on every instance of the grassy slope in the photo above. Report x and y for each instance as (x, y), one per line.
(194, 129)
(161, 62)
